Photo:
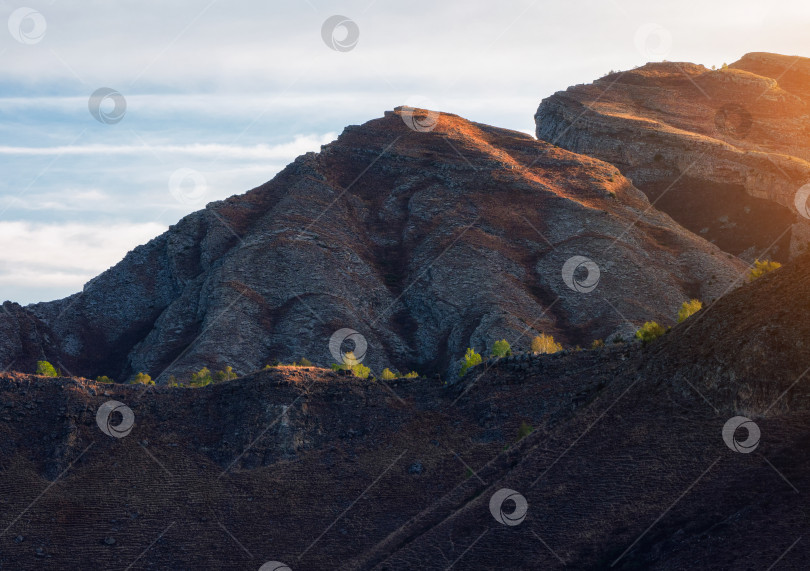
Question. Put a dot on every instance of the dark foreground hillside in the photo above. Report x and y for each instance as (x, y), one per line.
(627, 467)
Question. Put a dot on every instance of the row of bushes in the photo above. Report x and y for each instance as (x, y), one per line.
(357, 369)
(201, 378)
(205, 377)
(545, 344)
(541, 344)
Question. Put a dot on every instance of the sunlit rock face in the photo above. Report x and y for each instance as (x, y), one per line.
(723, 151)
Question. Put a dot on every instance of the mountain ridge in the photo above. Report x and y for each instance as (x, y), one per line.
(456, 235)
(708, 146)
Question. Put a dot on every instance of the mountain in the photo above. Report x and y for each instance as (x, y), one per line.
(723, 151)
(626, 467)
(424, 232)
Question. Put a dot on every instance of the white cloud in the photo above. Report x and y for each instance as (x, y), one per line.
(300, 145)
(61, 258)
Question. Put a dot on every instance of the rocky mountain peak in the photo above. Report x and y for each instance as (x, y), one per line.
(422, 231)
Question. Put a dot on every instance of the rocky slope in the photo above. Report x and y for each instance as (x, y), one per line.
(724, 152)
(425, 233)
(626, 468)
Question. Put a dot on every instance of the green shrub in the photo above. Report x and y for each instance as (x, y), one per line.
(173, 382)
(501, 348)
(688, 309)
(524, 430)
(412, 375)
(545, 344)
(201, 378)
(650, 331)
(104, 379)
(471, 359)
(597, 344)
(304, 362)
(45, 369)
(388, 375)
(762, 268)
(225, 375)
(360, 371)
(142, 379)
(337, 367)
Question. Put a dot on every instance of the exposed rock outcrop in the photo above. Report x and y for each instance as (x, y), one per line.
(724, 151)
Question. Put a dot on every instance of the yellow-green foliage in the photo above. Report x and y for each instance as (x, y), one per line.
(471, 359)
(762, 268)
(545, 344)
(104, 379)
(45, 369)
(389, 375)
(501, 348)
(360, 371)
(689, 308)
(304, 362)
(201, 378)
(173, 382)
(650, 331)
(597, 344)
(225, 375)
(142, 379)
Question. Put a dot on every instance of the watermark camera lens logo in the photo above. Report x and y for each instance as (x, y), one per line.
(496, 507)
(274, 566)
(104, 418)
(108, 116)
(653, 41)
(340, 33)
(27, 26)
(418, 115)
(730, 429)
(733, 120)
(349, 358)
(586, 284)
(188, 186)
(800, 201)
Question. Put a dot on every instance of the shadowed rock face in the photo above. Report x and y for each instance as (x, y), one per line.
(424, 242)
(724, 152)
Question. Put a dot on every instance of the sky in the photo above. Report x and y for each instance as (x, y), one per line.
(117, 118)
